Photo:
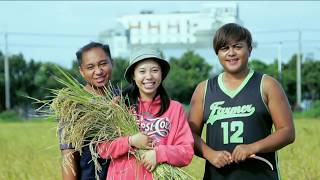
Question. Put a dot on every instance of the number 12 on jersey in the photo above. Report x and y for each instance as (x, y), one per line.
(232, 132)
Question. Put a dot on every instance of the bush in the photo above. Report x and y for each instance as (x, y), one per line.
(9, 116)
(313, 112)
(15, 116)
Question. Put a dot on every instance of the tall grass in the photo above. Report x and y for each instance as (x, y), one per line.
(29, 150)
(301, 159)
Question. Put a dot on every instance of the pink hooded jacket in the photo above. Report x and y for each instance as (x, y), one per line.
(170, 131)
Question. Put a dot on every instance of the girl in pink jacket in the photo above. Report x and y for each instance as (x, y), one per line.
(164, 131)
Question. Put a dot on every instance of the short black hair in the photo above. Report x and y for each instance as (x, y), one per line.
(87, 47)
(230, 32)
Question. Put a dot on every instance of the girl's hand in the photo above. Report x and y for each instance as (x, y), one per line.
(220, 158)
(140, 141)
(242, 152)
(149, 160)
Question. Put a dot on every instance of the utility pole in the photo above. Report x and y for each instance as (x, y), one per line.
(280, 62)
(6, 72)
(298, 105)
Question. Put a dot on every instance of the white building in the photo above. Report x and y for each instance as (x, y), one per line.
(171, 30)
(118, 41)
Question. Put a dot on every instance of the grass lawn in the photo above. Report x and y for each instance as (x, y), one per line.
(29, 150)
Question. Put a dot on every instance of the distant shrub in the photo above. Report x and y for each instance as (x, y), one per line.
(10, 116)
(14, 116)
(313, 112)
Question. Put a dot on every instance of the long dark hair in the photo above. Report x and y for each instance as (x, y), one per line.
(132, 93)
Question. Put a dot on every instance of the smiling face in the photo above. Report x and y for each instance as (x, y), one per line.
(234, 57)
(147, 75)
(96, 67)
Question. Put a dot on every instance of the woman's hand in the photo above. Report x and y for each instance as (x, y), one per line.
(149, 160)
(140, 141)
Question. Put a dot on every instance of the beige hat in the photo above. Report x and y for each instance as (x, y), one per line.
(146, 54)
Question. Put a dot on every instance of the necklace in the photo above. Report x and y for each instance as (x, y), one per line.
(145, 111)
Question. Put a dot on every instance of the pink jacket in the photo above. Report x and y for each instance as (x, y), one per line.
(171, 132)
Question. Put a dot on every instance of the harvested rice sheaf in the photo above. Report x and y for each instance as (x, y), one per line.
(87, 119)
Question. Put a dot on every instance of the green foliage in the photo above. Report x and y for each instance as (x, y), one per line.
(9, 116)
(310, 73)
(258, 65)
(186, 72)
(27, 79)
(2, 82)
(119, 67)
(288, 77)
(74, 72)
(35, 78)
(313, 112)
(44, 79)
(289, 80)
(311, 84)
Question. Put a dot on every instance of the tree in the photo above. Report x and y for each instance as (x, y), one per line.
(119, 67)
(23, 81)
(310, 79)
(258, 65)
(18, 80)
(34, 79)
(44, 79)
(74, 72)
(2, 83)
(186, 72)
(289, 80)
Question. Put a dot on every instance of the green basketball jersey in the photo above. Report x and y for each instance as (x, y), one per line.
(238, 117)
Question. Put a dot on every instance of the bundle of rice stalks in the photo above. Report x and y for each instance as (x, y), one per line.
(87, 119)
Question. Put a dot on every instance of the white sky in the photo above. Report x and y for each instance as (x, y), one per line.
(90, 18)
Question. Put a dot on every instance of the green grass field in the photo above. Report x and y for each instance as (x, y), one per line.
(29, 150)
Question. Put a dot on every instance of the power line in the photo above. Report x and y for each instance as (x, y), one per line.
(275, 31)
(38, 45)
(277, 42)
(311, 30)
(51, 34)
(286, 30)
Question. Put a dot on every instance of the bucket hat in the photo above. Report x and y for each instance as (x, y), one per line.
(146, 54)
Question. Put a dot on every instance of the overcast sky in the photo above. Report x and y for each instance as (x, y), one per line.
(269, 21)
